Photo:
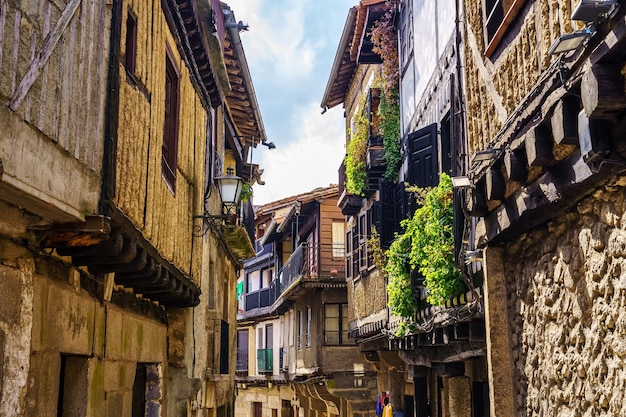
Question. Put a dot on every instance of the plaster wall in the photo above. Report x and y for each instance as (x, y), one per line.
(164, 217)
(53, 118)
(567, 309)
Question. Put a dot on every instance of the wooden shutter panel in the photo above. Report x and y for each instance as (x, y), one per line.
(386, 222)
(400, 205)
(423, 159)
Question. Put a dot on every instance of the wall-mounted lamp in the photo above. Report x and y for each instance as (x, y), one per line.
(592, 10)
(461, 182)
(230, 187)
(570, 41)
(486, 154)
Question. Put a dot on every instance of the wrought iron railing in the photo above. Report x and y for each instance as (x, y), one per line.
(308, 261)
(265, 360)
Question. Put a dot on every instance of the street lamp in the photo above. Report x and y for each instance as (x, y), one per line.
(230, 187)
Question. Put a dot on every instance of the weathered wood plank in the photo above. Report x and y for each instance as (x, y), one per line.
(495, 185)
(46, 50)
(564, 121)
(538, 144)
(515, 165)
(602, 91)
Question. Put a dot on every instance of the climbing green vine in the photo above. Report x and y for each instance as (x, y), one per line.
(356, 152)
(384, 42)
(427, 245)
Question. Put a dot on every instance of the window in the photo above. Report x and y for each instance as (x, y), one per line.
(257, 409)
(224, 347)
(169, 159)
(336, 324)
(300, 328)
(338, 236)
(73, 386)
(146, 387)
(358, 259)
(499, 14)
(308, 327)
(130, 59)
(242, 350)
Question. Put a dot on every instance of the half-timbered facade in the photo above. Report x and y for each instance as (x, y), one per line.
(545, 111)
(118, 267)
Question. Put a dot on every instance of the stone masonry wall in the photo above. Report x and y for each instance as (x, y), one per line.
(567, 308)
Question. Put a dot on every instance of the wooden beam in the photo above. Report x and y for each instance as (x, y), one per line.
(557, 190)
(477, 202)
(602, 91)
(495, 185)
(564, 121)
(538, 144)
(515, 165)
(44, 54)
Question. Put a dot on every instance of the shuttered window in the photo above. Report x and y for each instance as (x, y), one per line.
(169, 160)
(423, 157)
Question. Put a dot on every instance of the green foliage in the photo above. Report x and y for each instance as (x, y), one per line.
(246, 192)
(427, 245)
(432, 243)
(389, 113)
(356, 152)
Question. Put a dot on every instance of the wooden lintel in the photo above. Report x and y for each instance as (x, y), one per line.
(515, 165)
(538, 143)
(495, 185)
(564, 121)
(557, 190)
(94, 230)
(602, 91)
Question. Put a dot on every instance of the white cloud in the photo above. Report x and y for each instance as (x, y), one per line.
(310, 159)
(276, 39)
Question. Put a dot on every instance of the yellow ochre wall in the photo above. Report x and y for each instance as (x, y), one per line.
(141, 192)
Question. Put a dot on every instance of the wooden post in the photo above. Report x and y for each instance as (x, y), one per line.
(499, 356)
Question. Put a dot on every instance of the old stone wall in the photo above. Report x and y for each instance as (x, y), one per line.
(495, 85)
(567, 308)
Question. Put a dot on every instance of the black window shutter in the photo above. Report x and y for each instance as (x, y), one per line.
(386, 222)
(423, 157)
(400, 205)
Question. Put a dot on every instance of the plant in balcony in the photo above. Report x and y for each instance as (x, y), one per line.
(384, 42)
(356, 152)
(427, 245)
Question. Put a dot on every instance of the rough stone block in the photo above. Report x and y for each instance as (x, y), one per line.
(11, 289)
(113, 334)
(69, 320)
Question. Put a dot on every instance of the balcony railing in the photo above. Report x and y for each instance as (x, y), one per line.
(265, 360)
(313, 262)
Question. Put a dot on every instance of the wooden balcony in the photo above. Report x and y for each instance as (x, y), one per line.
(349, 204)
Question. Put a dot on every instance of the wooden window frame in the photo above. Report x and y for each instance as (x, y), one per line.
(309, 318)
(130, 56)
(169, 157)
(507, 18)
(342, 332)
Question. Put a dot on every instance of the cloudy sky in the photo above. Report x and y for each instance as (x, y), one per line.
(290, 47)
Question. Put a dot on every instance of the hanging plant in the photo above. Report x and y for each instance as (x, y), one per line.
(384, 42)
(356, 152)
(427, 245)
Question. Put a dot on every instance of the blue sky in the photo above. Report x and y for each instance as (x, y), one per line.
(290, 47)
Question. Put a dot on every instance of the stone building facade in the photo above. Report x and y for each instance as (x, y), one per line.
(117, 277)
(550, 197)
